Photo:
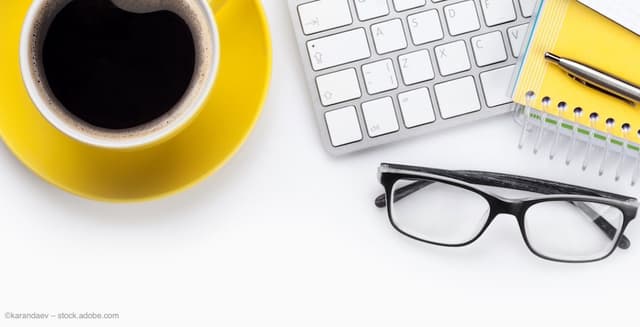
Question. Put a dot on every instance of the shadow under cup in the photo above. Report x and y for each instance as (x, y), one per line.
(119, 74)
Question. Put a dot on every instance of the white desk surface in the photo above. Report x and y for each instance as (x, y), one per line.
(286, 235)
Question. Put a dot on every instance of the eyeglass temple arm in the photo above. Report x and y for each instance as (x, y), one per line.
(523, 184)
(401, 193)
(531, 184)
(603, 224)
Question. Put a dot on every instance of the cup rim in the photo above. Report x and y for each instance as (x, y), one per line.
(147, 139)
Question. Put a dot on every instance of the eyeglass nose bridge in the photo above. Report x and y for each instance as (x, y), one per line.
(511, 207)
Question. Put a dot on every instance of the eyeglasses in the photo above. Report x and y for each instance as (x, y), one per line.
(566, 223)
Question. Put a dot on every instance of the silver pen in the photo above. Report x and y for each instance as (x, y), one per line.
(597, 79)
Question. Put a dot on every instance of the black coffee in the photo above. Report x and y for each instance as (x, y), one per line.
(116, 69)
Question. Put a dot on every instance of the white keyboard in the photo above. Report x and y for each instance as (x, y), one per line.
(384, 70)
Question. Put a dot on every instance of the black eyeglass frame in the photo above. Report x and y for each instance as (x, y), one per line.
(390, 174)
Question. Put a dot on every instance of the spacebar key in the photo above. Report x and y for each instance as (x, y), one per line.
(338, 49)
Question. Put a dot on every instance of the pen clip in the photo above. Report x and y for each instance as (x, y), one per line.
(597, 88)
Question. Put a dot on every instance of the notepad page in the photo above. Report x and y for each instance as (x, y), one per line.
(572, 30)
(623, 12)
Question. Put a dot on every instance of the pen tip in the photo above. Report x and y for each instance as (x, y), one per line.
(551, 57)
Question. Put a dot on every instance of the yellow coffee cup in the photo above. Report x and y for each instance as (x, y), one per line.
(114, 97)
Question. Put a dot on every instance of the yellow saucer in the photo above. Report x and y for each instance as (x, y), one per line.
(202, 148)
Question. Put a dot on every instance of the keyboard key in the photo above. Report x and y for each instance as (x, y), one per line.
(517, 35)
(344, 126)
(528, 6)
(323, 15)
(416, 107)
(380, 117)
(495, 84)
(489, 48)
(389, 36)
(498, 12)
(457, 97)
(338, 87)
(416, 67)
(338, 49)
(453, 58)
(370, 9)
(380, 76)
(402, 5)
(462, 18)
(425, 27)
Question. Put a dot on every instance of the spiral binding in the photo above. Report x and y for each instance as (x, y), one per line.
(540, 123)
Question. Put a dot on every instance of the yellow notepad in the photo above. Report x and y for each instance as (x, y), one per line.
(572, 30)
